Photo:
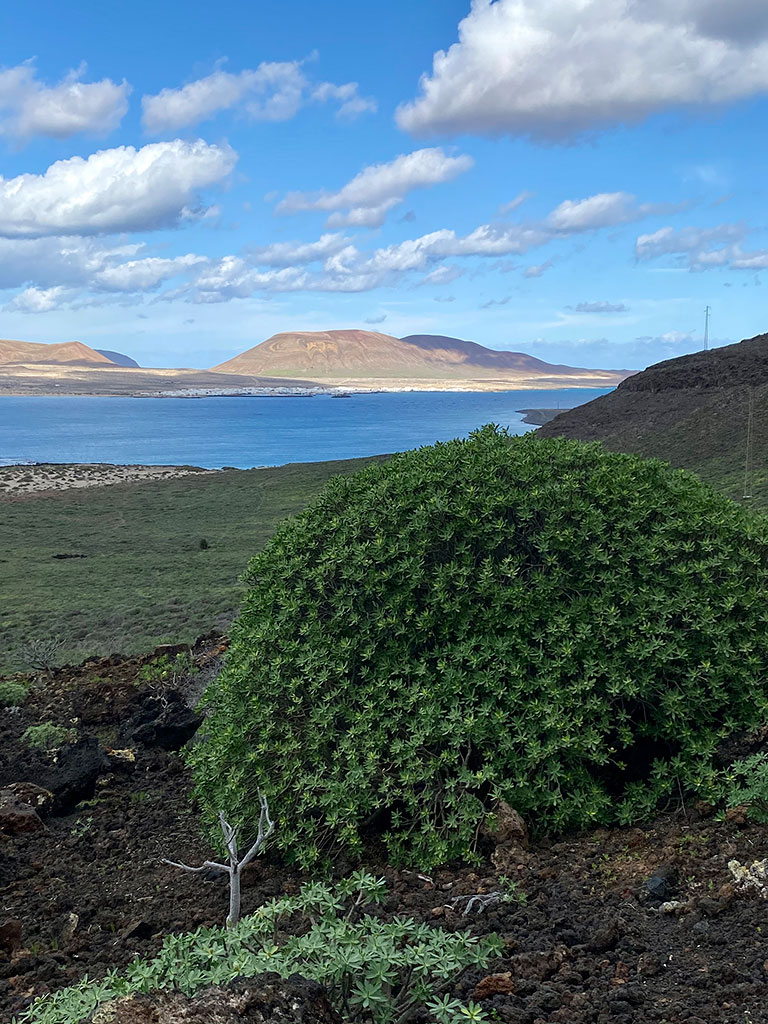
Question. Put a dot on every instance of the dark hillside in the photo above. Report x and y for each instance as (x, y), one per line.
(693, 411)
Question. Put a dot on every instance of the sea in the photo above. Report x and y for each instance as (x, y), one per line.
(256, 431)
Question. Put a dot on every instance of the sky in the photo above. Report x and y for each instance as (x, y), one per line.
(576, 179)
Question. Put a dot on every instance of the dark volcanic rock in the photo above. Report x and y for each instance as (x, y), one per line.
(162, 721)
(71, 777)
(16, 817)
(266, 999)
(10, 936)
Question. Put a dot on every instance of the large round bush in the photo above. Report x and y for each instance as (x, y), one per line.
(534, 620)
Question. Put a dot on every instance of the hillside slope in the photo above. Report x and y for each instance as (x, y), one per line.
(693, 411)
(324, 354)
(31, 352)
(117, 357)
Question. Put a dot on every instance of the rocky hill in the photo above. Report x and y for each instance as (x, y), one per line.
(370, 354)
(117, 357)
(695, 412)
(24, 353)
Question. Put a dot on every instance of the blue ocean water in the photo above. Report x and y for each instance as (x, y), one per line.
(245, 432)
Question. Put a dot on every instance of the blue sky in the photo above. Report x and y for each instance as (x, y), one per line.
(573, 178)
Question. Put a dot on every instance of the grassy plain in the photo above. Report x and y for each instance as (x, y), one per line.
(145, 579)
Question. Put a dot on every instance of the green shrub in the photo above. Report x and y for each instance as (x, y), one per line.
(371, 969)
(12, 693)
(48, 736)
(538, 621)
(747, 785)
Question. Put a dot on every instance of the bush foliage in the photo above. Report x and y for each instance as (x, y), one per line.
(534, 620)
(376, 971)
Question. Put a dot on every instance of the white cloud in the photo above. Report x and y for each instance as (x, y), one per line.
(702, 248)
(688, 240)
(751, 260)
(553, 69)
(362, 216)
(274, 91)
(113, 190)
(145, 274)
(39, 300)
(604, 210)
(351, 104)
(28, 108)
(443, 275)
(379, 187)
(288, 254)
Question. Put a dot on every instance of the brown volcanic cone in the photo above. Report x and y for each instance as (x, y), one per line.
(70, 352)
(370, 353)
(326, 352)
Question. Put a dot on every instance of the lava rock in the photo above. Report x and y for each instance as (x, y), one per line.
(10, 936)
(660, 886)
(266, 999)
(163, 721)
(16, 817)
(33, 796)
(72, 775)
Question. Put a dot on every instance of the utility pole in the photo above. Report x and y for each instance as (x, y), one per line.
(707, 311)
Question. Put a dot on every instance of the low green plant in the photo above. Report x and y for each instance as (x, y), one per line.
(167, 669)
(12, 693)
(48, 736)
(535, 621)
(373, 970)
(747, 785)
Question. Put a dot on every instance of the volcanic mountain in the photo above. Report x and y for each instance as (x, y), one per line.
(335, 354)
(71, 353)
(707, 412)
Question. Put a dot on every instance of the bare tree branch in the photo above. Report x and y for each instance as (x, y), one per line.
(236, 865)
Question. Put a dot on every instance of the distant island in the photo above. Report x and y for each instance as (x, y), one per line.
(298, 362)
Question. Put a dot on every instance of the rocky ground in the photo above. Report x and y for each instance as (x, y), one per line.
(622, 925)
(44, 477)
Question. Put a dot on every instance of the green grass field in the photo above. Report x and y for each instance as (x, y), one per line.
(145, 580)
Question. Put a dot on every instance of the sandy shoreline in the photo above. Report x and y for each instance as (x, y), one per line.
(44, 478)
(46, 381)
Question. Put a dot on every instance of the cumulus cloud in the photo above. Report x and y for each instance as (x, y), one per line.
(376, 319)
(289, 254)
(604, 210)
(599, 307)
(330, 263)
(553, 69)
(29, 108)
(274, 91)
(702, 248)
(39, 300)
(144, 274)
(114, 190)
(368, 197)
